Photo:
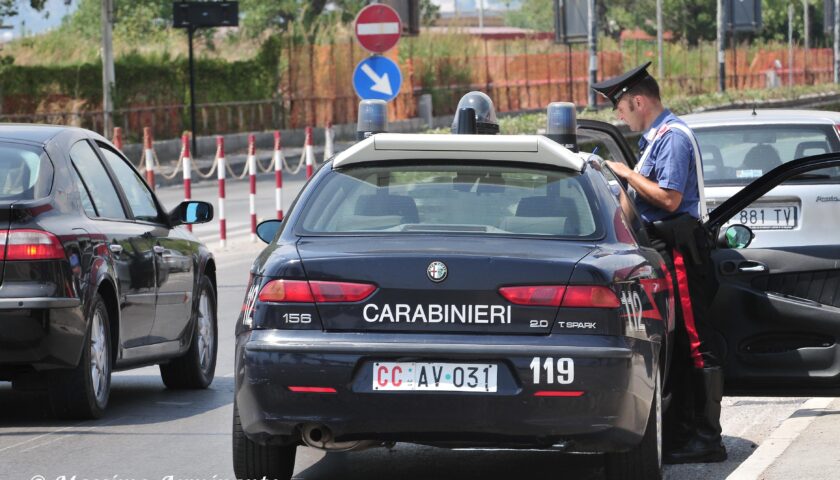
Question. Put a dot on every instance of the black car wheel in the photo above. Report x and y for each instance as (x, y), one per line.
(252, 460)
(643, 462)
(83, 391)
(197, 367)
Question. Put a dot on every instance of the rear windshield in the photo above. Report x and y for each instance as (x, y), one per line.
(472, 199)
(737, 155)
(25, 173)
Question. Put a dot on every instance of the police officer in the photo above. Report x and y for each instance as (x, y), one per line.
(667, 189)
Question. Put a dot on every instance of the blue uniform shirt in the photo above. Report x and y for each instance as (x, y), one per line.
(671, 165)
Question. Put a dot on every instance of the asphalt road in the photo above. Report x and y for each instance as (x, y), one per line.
(152, 433)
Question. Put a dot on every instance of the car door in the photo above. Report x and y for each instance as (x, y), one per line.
(130, 245)
(778, 309)
(173, 251)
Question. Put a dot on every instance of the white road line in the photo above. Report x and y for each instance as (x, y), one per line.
(40, 436)
(778, 441)
(64, 437)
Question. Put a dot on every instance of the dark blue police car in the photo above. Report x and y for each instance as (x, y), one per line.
(457, 290)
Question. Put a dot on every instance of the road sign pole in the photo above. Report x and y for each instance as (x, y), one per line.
(190, 31)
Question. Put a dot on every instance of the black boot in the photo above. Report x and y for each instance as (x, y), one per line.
(706, 445)
(678, 421)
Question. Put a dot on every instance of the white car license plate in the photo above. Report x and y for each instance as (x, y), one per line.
(434, 377)
(768, 217)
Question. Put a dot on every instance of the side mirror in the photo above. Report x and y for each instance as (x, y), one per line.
(735, 236)
(191, 212)
(267, 229)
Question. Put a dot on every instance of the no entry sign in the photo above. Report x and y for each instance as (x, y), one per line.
(378, 28)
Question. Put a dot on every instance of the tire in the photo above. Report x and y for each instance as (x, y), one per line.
(644, 461)
(254, 461)
(196, 368)
(83, 392)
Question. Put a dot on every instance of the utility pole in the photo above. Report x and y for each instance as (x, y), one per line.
(661, 70)
(836, 41)
(107, 67)
(592, 39)
(481, 14)
(721, 41)
(790, 46)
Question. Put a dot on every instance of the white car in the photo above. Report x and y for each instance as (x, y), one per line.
(738, 146)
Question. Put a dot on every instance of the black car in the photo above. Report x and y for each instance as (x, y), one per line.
(94, 275)
(466, 291)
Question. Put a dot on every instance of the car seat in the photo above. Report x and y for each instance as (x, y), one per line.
(385, 204)
(803, 147)
(761, 157)
(713, 168)
(551, 207)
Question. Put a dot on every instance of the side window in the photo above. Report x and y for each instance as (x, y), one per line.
(605, 146)
(96, 178)
(138, 195)
(87, 203)
(626, 206)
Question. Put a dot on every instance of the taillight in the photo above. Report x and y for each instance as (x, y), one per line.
(301, 291)
(340, 291)
(30, 245)
(286, 291)
(588, 296)
(536, 295)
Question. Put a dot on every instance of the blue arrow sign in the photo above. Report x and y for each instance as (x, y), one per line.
(377, 78)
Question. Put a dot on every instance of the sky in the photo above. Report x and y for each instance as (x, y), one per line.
(37, 22)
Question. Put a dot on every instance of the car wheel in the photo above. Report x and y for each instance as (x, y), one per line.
(83, 391)
(196, 368)
(643, 462)
(252, 460)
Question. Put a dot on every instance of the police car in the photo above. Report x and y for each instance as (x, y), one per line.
(463, 291)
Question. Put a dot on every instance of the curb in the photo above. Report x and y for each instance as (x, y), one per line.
(781, 438)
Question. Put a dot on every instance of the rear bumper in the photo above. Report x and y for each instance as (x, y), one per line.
(40, 332)
(615, 374)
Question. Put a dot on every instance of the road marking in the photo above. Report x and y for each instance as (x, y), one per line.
(91, 428)
(41, 436)
(175, 404)
(778, 441)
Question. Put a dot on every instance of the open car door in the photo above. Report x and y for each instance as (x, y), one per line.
(778, 309)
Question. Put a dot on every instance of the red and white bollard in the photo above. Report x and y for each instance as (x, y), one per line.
(149, 155)
(252, 179)
(185, 141)
(118, 139)
(278, 175)
(308, 151)
(221, 166)
(329, 146)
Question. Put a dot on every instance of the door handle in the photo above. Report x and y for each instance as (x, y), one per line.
(751, 267)
(158, 249)
(115, 248)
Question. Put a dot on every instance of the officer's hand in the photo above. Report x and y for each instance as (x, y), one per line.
(621, 170)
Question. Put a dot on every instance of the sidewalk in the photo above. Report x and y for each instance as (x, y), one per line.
(803, 446)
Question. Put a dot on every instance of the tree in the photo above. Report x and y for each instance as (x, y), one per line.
(9, 8)
(429, 13)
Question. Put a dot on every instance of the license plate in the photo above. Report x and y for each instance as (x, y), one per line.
(768, 217)
(434, 377)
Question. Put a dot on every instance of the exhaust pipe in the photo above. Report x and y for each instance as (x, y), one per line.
(321, 437)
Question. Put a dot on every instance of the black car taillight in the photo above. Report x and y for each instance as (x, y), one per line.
(573, 296)
(315, 291)
(25, 244)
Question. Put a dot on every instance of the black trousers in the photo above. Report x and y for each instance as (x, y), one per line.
(696, 343)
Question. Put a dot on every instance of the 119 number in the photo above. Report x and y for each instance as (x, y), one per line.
(561, 370)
